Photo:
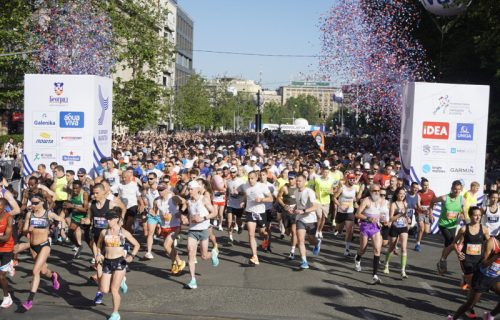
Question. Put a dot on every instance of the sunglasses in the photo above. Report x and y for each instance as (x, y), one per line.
(35, 202)
(375, 191)
(151, 178)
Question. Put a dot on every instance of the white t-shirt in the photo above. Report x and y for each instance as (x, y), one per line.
(259, 190)
(249, 168)
(167, 210)
(274, 191)
(197, 207)
(305, 200)
(129, 193)
(237, 184)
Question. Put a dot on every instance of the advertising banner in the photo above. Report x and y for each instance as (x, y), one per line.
(67, 120)
(443, 134)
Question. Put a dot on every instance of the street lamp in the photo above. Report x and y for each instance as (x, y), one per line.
(259, 103)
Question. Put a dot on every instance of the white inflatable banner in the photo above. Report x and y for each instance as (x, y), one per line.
(67, 119)
(443, 134)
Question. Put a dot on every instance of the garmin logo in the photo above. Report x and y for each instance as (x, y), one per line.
(466, 170)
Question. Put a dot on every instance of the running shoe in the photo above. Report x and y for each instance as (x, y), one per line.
(488, 316)
(220, 227)
(215, 258)
(291, 256)
(357, 265)
(236, 228)
(123, 286)
(98, 297)
(254, 260)
(403, 274)
(75, 248)
(450, 317)
(115, 316)
(92, 261)
(231, 240)
(317, 247)
(269, 249)
(386, 269)
(55, 281)
(471, 314)
(12, 271)
(174, 269)
(77, 253)
(282, 236)
(7, 302)
(347, 253)
(376, 280)
(304, 265)
(418, 247)
(192, 284)
(175, 243)
(148, 255)
(240, 229)
(336, 233)
(28, 304)
(15, 262)
(441, 267)
(181, 266)
(264, 244)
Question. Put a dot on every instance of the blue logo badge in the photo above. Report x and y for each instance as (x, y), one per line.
(465, 131)
(426, 168)
(71, 119)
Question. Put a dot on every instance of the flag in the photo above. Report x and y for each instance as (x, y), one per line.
(319, 137)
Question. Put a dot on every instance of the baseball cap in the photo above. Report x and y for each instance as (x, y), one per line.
(366, 166)
(253, 158)
(237, 143)
(82, 171)
(194, 184)
(351, 176)
(292, 175)
(233, 169)
(183, 171)
(326, 164)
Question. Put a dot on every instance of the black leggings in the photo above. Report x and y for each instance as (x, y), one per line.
(448, 235)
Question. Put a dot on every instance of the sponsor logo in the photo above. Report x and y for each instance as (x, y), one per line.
(462, 170)
(71, 157)
(468, 151)
(104, 102)
(426, 168)
(445, 105)
(71, 138)
(70, 119)
(435, 130)
(432, 150)
(43, 156)
(44, 119)
(465, 131)
(45, 138)
(58, 90)
(432, 169)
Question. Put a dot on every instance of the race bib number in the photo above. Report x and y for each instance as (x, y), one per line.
(401, 223)
(167, 217)
(38, 222)
(450, 215)
(410, 212)
(112, 241)
(347, 204)
(493, 219)
(100, 223)
(473, 249)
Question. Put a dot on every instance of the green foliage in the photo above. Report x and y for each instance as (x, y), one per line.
(273, 113)
(17, 138)
(15, 14)
(303, 106)
(192, 105)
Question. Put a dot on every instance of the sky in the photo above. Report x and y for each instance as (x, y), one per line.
(256, 26)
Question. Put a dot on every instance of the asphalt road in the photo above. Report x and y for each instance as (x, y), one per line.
(276, 289)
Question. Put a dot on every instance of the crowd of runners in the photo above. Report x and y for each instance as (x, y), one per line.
(155, 187)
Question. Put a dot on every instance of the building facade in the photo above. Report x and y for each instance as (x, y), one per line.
(184, 47)
(323, 91)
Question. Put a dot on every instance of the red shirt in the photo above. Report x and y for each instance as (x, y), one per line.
(426, 197)
(7, 246)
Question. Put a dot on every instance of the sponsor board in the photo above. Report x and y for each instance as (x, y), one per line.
(43, 156)
(70, 138)
(462, 169)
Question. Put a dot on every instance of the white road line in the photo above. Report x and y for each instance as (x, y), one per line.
(345, 292)
(430, 290)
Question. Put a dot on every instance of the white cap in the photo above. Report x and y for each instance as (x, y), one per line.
(233, 169)
(253, 158)
(367, 166)
(201, 146)
(194, 184)
(326, 163)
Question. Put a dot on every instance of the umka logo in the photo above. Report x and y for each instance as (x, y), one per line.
(465, 131)
(58, 90)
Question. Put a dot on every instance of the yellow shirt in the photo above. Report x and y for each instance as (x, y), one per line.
(470, 200)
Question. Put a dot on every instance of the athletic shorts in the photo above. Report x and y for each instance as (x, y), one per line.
(471, 264)
(323, 209)
(219, 203)
(38, 247)
(269, 216)
(342, 217)
(153, 219)
(259, 219)
(309, 227)
(5, 259)
(423, 218)
(198, 235)
(368, 229)
(111, 265)
(448, 235)
(289, 219)
(238, 212)
(165, 232)
(131, 212)
(384, 231)
(481, 283)
(394, 231)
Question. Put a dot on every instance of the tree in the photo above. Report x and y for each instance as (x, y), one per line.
(15, 15)
(140, 48)
(273, 113)
(192, 104)
(303, 106)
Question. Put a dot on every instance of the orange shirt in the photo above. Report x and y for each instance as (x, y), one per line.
(7, 246)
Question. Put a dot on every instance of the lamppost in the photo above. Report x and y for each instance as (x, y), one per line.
(259, 103)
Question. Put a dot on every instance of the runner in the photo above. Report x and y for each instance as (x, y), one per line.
(256, 194)
(369, 212)
(37, 225)
(452, 208)
(323, 187)
(114, 262)
(131, 197)
(150, 193)
(266, 244)
(345, 200)
(219, 188)
(425, 216)
(235, 196)
(400, 218)
(200, 211)
(207, 194)
(77, 206)
(6, 252)
(286, 199)
(491, 218)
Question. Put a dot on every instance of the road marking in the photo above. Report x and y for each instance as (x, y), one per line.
(430, 290)
(345, 292)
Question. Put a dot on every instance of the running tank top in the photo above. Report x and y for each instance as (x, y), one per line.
(473, 243)
(40, 222)
(402, 221)
(347, 198)
(492, 221)
(113, 178)
(77, 201)
(61, 195)
(196, 207)
(493, 270)
(289, 198)
(7, 246)
(450, 211)
(412, 202)
(114, 241)
(99, 215)
(373, 211)
(151, 195)
(322, 188)
(167, 210)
